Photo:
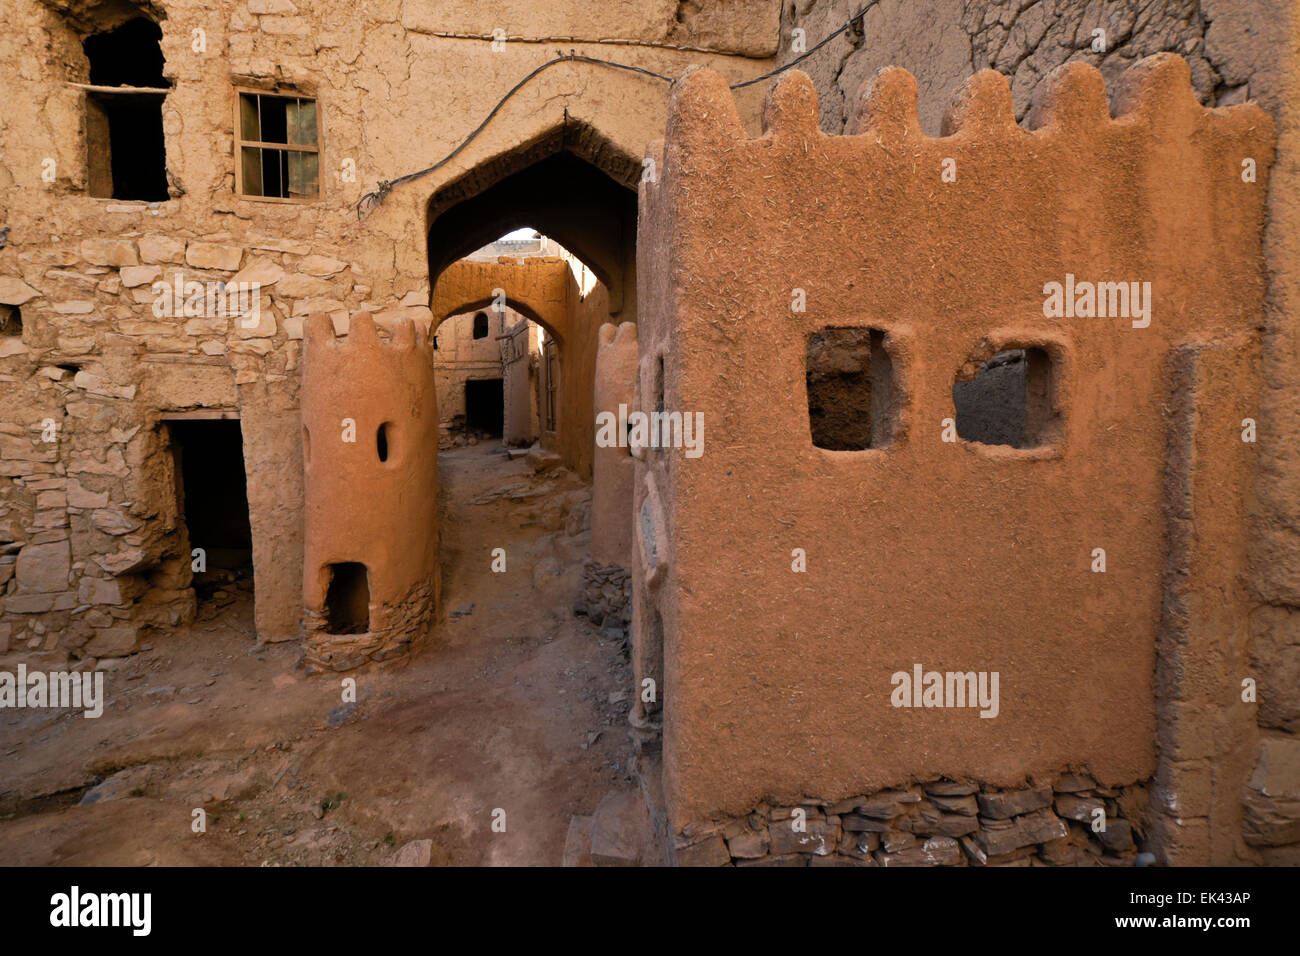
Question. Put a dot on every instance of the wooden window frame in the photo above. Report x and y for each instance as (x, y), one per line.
(241, 144)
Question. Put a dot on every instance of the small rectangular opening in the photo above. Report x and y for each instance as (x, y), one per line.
(659, 385)
(347, 600)
(11, 320)
(213, 498)
(852, 396)
(1010, 401)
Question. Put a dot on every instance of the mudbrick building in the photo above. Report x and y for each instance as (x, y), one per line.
(987, 550)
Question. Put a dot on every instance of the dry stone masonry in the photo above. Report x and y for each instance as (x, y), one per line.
(1074, 822)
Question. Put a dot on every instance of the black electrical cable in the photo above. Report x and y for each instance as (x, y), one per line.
(376, 196)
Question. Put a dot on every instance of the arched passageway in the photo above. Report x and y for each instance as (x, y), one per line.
(576, 188)
(587, 206)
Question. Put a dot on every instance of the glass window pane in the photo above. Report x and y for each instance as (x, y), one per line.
(304, 171)
(301, 121)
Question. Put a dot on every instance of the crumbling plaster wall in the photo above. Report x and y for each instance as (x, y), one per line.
(1232, 48)
(957, 556)
(1237, 50)
(393, 97)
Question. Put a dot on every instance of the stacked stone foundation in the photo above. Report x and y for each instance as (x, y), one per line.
(409, 622)
(1072, 821)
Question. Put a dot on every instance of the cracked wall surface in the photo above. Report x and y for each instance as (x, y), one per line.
(1229, 47)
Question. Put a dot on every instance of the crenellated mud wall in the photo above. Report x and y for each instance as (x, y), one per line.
(793, 584)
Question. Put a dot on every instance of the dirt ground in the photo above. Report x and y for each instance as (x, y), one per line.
(516, 705)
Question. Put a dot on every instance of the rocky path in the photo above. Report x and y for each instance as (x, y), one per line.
(514, 714)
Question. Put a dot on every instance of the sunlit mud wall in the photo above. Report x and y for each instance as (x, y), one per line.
(1095, 569)
(613, 468)
(1231, 60)
(519, 358)
(459, 357)
(370, 444)
(542, 289)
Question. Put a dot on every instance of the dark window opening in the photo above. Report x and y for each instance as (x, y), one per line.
(11, 320)
(1010, 401)
(381, 442)
(213, 499)
(130, 55)
(852, 396)
(485, 407)
(125, 149)
(347, 600)
(480, 325)
(127, 155)
(279, 146)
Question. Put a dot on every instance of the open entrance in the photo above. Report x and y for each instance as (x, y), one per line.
(347, 600)
(213, 501)
(485, 407)
(11, 321)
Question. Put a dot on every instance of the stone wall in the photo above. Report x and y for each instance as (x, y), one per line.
(108, 559)
(792, 583)
(1071, 822)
